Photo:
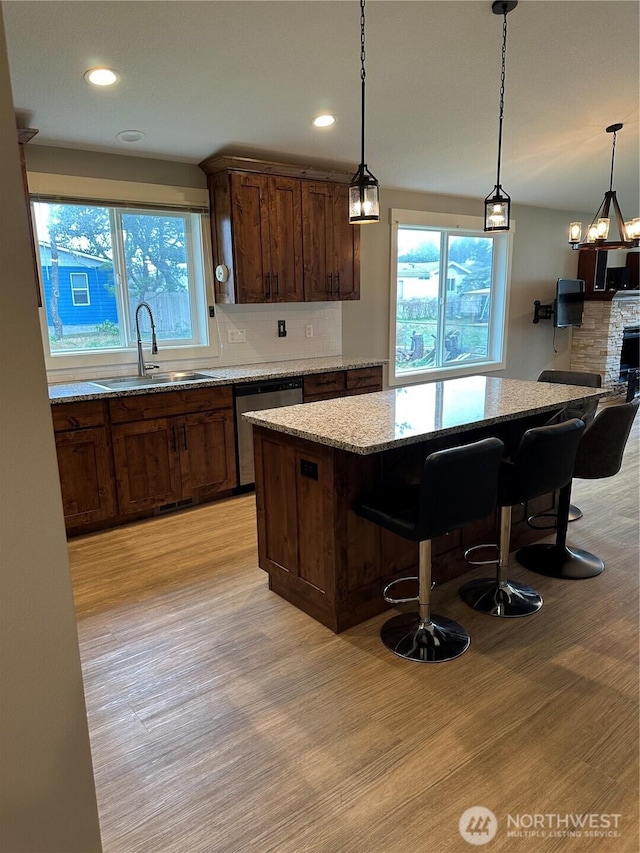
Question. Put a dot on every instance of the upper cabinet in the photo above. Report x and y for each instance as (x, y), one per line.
(279, 234)
(266, 238)
(331, 244)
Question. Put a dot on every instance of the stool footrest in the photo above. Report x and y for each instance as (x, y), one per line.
(390, 600)
(493, 562)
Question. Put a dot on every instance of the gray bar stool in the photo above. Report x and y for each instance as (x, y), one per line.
(599, 455)
(458, 486)
(542, 463)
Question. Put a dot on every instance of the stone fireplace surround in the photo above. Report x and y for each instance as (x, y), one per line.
(596, 345)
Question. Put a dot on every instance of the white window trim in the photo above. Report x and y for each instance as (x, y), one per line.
(502, 268)
(106, 191)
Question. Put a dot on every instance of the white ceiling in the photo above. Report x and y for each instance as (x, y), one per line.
(207, 76)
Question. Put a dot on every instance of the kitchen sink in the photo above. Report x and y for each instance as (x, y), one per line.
(129, 383)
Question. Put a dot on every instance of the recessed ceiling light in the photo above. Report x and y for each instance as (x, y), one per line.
(324, 121)
(130, 135)
(101, 76)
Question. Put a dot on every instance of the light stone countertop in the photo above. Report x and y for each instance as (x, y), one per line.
(370, 423)
(69, 392)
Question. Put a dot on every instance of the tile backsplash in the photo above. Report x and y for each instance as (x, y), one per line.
(246, 334)
(260, 326)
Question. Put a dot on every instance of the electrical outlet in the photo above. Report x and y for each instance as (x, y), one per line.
(282, 329)
(237, 336)
(308, 330)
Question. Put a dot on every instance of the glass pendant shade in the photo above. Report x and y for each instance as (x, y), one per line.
(364, 197)
(575, 233)
(497, 211)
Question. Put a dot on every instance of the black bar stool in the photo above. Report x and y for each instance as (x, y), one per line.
(543, 463)
(458, 486)
(585, 411)
(599, 455)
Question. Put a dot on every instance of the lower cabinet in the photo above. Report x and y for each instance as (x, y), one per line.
(127, 456)
(84, 462)
(86, 477)
(161, 461)
(341, 383)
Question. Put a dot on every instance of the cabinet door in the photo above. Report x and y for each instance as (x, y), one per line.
(147, 464)
(346, 247)
(86, 479)
(285, 230)
(251, 238)
(317, 237)
(207, 453)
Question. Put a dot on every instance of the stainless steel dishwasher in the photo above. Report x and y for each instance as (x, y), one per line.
(250, 397)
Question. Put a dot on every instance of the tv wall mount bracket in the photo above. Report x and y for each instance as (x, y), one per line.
(542, 312)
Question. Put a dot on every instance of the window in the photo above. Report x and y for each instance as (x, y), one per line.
(79, 282)
(449, 296)
(99, 262)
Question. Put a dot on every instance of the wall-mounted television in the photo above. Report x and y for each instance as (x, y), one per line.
(569, 304)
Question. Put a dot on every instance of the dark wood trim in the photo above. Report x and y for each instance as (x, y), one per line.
(227, 162)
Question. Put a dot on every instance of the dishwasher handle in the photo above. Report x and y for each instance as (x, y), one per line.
(268, 386)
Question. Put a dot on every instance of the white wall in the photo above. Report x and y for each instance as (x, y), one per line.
(541, 255)
(47, 791)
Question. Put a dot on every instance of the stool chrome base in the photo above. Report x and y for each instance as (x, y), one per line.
(507, 599)
(555, 561)
(413, 638)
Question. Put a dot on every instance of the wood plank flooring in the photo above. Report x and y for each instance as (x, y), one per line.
(223, 720)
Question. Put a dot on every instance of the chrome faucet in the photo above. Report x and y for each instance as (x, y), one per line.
(142, 366)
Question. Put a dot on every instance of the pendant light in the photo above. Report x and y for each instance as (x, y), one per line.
(364, 201)
(598, 231)
(497, 206)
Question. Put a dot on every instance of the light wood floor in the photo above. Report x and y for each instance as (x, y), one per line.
(223, 720)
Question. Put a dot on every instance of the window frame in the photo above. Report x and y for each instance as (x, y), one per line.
(156, 198)
(75, 289)
(500, 291)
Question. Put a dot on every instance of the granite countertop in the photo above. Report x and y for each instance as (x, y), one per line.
(69, 392)
(370, 423)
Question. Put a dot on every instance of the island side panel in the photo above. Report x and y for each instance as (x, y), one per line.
(295, 513)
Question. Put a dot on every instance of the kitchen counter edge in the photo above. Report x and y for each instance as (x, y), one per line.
(69, 392)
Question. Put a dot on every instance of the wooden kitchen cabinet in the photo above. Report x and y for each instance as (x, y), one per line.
(267, 238)
(331, 244)
(174, 458)
(281, 233)
(341, 383)
(84, 463)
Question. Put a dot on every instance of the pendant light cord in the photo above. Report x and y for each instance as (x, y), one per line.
(363, 75)
(613, 155)
(502, 78)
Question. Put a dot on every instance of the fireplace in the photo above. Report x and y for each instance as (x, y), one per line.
(630, 358)
(597, 345)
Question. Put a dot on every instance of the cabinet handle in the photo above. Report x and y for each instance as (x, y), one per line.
(268, 278)
(277, 278)
(331, 283)
(338, 283)
(173, 437)
(184, 436)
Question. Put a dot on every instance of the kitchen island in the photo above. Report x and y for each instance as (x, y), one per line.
(313, 461)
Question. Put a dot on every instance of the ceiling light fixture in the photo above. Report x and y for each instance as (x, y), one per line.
(101, 76)
(324, 120)
(497, 207)
(130, 135)
(364, 200)
(598, 231)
